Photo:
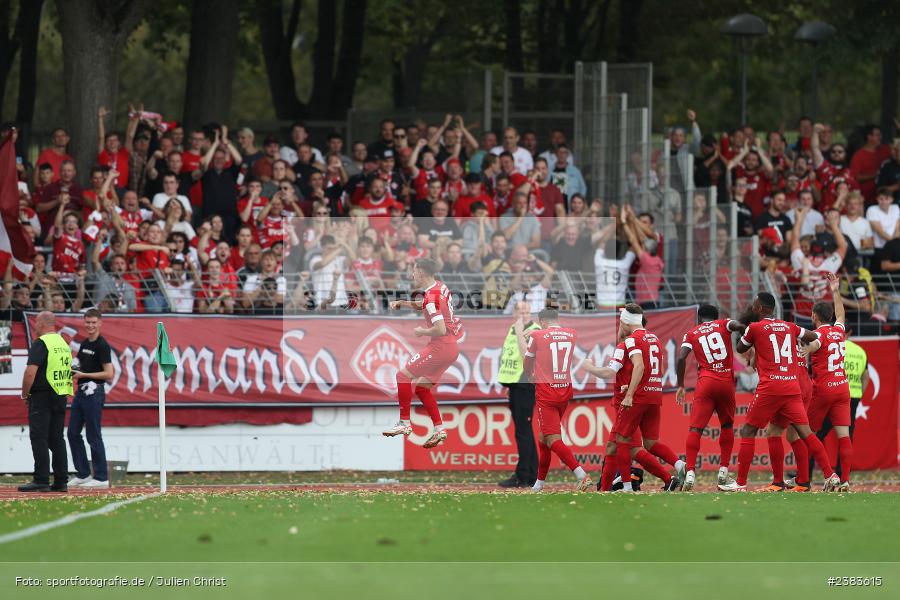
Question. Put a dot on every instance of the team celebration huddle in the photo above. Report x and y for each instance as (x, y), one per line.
(788, 400)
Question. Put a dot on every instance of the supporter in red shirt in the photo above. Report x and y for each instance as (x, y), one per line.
(98, 177)
(64, 190)
(215, 295)
(110, 151)
(756, 169)
(68, 248)
(262, 168)
(730, 144)
(508, 168)
(473, 194)
(190, 163)
(428, 171)
(867, 160)
(252, 204)
(377, 204)
(54, 155)
(830, 173)
(272, 223)
(503, 196)
(244, 240)
(132, 215)
(368, 264)
(152, 253)
(453, 185)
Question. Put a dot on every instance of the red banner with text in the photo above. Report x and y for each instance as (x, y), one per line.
(483, 437)
(230, 361)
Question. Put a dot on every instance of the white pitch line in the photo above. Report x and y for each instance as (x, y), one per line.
(69, 519)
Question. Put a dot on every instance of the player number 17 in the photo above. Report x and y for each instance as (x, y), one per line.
(555, 349)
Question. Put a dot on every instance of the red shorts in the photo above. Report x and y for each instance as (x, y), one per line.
(806, 389)
(712, 395)
(635, 437)
(643, 417)
(550, 416)
(780, 410)
(835, 406)
(433, 360)
(807, 394)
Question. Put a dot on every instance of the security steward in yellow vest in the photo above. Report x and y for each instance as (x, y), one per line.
(45, 388)
(521, 398)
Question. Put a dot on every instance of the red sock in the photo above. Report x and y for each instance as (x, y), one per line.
(776, 458)
(608, 473)
(565, 455)
(430, 404)
(664, 452)
(726, 445)
(404, 395)
(543, 461)
(651, 465)
(623, 459)
(692, 447)
(801, 458)
(745, 457)
(818, 451)
(845, 451)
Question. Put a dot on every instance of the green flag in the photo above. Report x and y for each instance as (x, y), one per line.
(164, 355)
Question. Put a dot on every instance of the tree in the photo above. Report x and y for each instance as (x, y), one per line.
(93, 33)
(336, 56)
(24, 40)
(211, 61)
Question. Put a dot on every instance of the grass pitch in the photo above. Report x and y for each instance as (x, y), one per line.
(405, 544)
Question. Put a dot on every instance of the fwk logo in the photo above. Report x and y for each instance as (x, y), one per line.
(379, 357)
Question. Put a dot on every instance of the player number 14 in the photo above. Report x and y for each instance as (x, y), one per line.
(785, 351)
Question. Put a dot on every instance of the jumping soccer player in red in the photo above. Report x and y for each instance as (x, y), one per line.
(642, 400)
(831, 390)
(778, 393)
(710, 341)
(424, 369)
(619, 370)
(548, 355)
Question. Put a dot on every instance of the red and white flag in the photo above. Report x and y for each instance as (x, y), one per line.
(15, 243)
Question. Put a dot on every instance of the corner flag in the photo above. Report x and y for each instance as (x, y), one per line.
(166, 365)
(164, 355)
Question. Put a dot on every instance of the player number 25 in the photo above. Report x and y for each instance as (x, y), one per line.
(555, 349)
(713, 346)
(835, 356)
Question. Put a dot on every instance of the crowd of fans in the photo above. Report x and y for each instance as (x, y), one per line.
(203, 221)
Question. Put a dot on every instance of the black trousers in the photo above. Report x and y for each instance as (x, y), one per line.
(521, 405)
(46, 421)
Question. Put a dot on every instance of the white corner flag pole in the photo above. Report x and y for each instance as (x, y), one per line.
(162, 425)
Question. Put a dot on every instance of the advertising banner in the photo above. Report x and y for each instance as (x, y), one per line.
(320, 360)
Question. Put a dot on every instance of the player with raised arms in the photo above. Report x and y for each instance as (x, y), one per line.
(831, 388)
(424, 369)
(778, 393)
(710, 342)
(619, 370)
(548, 355)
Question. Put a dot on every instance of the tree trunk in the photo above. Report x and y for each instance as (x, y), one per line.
(31, 26)
(514, 59)
(211, 61)
(890, 73)
(276, 46)
(323, 57)
(629, 28)
(349, 58)
(92, 41)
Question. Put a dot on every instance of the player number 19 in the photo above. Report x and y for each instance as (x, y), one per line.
(713, 347)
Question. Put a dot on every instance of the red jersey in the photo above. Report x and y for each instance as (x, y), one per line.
(49, 155)
(828, 362)
(758, 189)
(710, 343)
(131, 221)
(272, 229)
(147, 260)
(774, 341)
(437, 306)
(463, 207)
(258, 205)
(551, 352)
(371, 268)
(623, 369)
(420, 183)
(647, 346)
(830, 176)
(117, 161)
(380, 208)
(190, 162)
(68, 253)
